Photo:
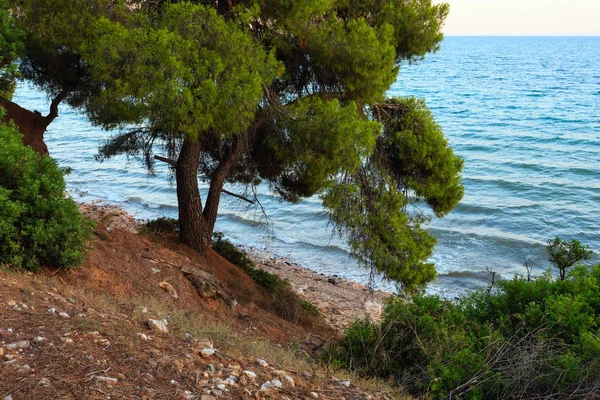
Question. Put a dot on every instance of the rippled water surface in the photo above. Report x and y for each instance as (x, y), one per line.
(524, 113)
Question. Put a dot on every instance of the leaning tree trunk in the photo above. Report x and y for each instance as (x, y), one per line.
(193, 231)
(32, 124)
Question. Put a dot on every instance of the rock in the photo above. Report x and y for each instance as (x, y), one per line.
(289, 381)
(204, 282)
(7, 397)
(267, 387)
(45, 382)
(106, 379)
(207, 353)
(66, 339)
(51, 311)
(250, 375)
(155, 270)
(277, 383)
(344, 383)
(314, 395)
(167, 287)
(207, 397)
(21, 344)
(262, 363)
(26, 368)
(12, 303)
(142, 336)
(63, 314)
(157, 325)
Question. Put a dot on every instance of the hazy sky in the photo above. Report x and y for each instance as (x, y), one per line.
(523, 17)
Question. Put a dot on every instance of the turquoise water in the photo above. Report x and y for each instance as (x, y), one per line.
(524, 113)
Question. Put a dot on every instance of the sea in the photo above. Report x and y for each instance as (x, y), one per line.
(523, 112)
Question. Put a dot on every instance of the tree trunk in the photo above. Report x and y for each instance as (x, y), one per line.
(32, 125)
(193, 231)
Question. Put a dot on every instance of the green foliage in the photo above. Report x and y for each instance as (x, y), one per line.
(38, 225)
(11, 46)
(291, 93)
(530, 339)
(279, 295)
(161, 225)
(563, 254)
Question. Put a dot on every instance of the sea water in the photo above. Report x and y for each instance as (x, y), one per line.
(523, 112)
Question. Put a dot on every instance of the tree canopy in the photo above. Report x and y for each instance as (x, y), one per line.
(290, 93)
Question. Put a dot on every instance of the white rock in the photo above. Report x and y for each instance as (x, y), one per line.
(344, 383)
(142, 336)
(289, 381)
(221, 386)
(314, 395)
(38, 339)
(262, 362)
(66, 339)
(174, 382)
(63, 314)
(267, 387)
(45, 382)
(250, 375)
(158, 325)
(230, 381)
(277, 383)
(207, 353)
(21, 344)
(51, 311)
(7, 397)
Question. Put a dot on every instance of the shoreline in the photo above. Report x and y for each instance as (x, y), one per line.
(341, 301)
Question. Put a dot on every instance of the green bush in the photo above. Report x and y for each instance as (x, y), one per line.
(280, 298)
(161, 225)
(38, 225)
(528, 339)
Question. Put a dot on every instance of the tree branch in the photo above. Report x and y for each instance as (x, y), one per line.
(54, 106)
(239, 196)
(166, 160)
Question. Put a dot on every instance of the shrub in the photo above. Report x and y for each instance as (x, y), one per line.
(161, 225)
(536, 339)
(279, 296)
(38, 225)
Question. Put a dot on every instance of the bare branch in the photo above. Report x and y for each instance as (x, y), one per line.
(239, 196)
(166, 160)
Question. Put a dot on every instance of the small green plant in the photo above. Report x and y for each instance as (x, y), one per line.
(161, 225)
(279, 295)
(38, 225)
(563, 254)
(531, 338)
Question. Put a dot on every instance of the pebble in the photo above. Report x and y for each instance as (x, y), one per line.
(63, 314)
(207, 353)
(251, 375)
(277, 383)
(207, 397)
(142, 336)
(45, 382)
(21, 344)
(289, 381)
(262, 362)
(26, 368)
(157, 325)
(7, 397)
(38, 339)
(167, 287)
(314, 395)
(12, 303)
(267, 386)
(344, 383)
(51, 311)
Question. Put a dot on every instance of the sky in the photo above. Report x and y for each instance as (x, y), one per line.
(523, 17)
